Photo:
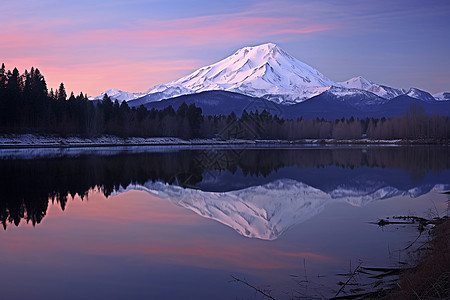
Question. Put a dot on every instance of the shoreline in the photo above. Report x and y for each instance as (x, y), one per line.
(425, 276)
(20, 141)
(429, 277)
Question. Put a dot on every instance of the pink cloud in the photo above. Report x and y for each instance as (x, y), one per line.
(137, 56)
(304, 30)
(204, 30)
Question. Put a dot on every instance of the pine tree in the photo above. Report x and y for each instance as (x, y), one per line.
(3, 78)
(40, 84)
(71, 97)
(3, 104)
(195, 119)
(62, 95)
(182, 110)
(14, 85)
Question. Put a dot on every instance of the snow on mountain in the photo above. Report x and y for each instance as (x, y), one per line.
(366, 85)
(118, 95)
(443, 96)
(259, 71)
(170, 90)
(269, 72)
(356, 97)
(420, 95)
(266, 211)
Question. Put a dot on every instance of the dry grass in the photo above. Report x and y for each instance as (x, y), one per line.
(430, 278)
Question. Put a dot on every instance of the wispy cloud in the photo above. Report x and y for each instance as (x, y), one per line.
(112, 33)
(205, 30)
(93, 55)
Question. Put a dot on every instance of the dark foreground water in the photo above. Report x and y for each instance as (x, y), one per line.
(177, 223)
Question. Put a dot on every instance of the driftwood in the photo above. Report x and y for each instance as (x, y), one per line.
(343, 286)
(409, 220)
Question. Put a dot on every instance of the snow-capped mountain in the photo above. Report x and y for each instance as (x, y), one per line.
(266, 71)
(420, 95)
(380, 90)
(266, 211)
(118, 95)
(443, 96)
(262, 71)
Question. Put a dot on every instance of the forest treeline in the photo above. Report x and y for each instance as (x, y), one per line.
(27, 106)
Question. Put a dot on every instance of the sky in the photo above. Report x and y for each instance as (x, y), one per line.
(133, 45)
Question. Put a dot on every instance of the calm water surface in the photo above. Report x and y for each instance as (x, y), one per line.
(170, 223)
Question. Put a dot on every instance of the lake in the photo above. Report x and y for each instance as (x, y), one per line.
(179, 221)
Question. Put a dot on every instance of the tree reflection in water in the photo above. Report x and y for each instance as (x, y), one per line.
(28, 185)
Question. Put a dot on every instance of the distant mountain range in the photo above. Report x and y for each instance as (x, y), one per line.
(329, 105)
(267, 77)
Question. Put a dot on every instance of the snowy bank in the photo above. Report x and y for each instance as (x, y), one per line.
(53, 141)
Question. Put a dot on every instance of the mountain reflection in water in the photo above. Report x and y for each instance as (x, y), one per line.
(258, 192)
(268, 210)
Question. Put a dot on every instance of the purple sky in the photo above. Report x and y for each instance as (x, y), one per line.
(134, 45)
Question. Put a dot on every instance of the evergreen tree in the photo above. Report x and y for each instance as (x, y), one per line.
(182, 110)
(3, 103)
(195, 119)
(14, 85)
(62, 95)
(40, 85)
(106, 107)
(3, 78)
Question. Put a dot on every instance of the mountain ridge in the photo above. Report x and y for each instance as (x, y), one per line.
(224, 102)
(267, 71)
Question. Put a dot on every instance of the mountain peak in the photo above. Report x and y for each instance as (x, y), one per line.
(119, 95)
(260, 71)
(442, 96)
(420, 95)
(262, 47)
(259, 55)
(264, 53)
(358, 82)
(362, 83)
